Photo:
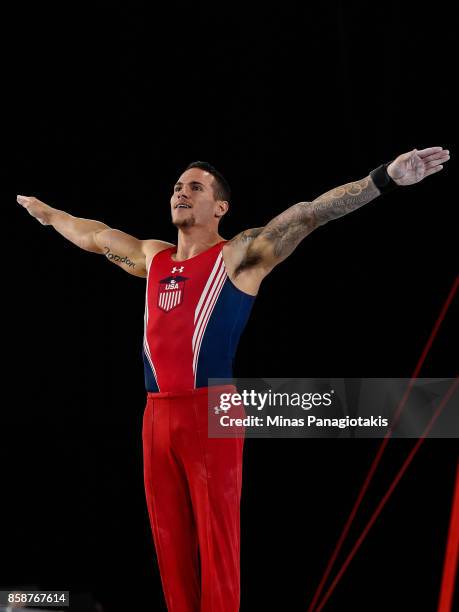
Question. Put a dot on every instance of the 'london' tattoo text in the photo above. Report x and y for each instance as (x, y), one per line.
(117, 258)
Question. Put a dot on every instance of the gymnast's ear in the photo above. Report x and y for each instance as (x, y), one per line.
(222, 208)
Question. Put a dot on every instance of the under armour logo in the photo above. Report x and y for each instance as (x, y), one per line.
(174, 269)
(218, 409)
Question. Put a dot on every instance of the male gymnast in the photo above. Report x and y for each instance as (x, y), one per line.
(199, 294)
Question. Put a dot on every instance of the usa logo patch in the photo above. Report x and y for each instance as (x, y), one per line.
(170, 294)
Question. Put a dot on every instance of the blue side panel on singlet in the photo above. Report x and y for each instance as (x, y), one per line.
(222, 334)
(150, 380)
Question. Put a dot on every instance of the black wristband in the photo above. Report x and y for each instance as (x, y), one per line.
(382, 180)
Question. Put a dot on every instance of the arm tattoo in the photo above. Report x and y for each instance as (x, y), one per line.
(343, 200)
(247, 236)
(118, 258)
(288, 229)
(282, 234)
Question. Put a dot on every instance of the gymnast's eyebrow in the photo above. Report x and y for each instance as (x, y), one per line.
(191, 183)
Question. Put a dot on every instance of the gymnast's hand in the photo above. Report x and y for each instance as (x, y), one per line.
(36, 208)
(410, 168)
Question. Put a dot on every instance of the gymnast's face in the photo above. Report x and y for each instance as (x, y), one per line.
(193, 201)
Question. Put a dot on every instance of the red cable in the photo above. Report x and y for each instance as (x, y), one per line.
(388, 494)
(383, 445)
(452, 549)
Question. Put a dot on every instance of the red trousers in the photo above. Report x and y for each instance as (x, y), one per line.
(193, 491)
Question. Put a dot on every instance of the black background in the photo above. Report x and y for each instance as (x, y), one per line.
(104, 106)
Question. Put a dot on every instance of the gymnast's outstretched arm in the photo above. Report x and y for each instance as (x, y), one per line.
(127, 252)
(279, 238)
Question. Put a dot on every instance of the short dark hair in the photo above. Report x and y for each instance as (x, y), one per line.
(222, 190)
